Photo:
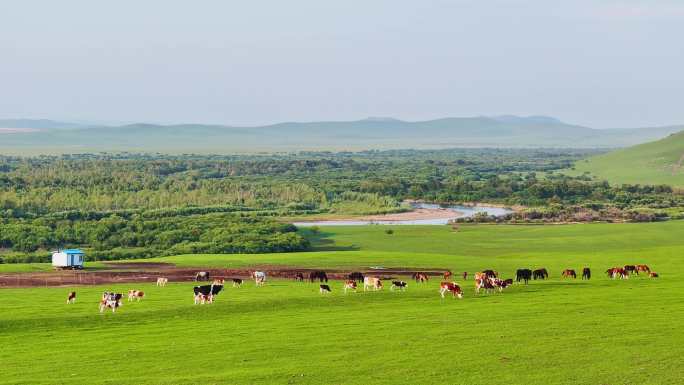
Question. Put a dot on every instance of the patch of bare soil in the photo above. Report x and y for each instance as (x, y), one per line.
(149, 272)
(414, 215)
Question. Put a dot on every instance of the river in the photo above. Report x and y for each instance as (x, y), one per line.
(440, 217)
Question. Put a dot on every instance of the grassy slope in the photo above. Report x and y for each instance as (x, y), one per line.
(554, 332)
(649, 163)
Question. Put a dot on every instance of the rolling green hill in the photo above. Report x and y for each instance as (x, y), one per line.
(659, 162)
(373, 133)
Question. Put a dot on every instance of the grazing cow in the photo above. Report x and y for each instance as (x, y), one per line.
(237, 282)
(465, 275)
(631, 269)
(202, 276)
(616, 272)
(355, 276)
(349, 285)
(205, 294)
(540, 274)
(324, 289)
(586, 273)
(259, 278)
(447, 275)
(484, 282)
(401, 285)
(451, 287)
(500, 283)
(299, 277)
(217, 281)
(72, 297)
(523, 275)
(162, 281)
(110, 300)
(318, 275)
(643, 268)
(653, 274)
(135, 294)
(420, 277)
(373, 282)
(567, 273)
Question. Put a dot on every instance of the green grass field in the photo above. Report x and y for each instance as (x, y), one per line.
(659, 162)
(553, 332)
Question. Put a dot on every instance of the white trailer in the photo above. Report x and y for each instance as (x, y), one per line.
(68, 259)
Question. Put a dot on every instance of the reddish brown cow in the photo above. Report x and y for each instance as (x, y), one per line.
(447, 275)
(643, 269)
(349, 285)
(451, 287)
(420, 277)
(567, 273)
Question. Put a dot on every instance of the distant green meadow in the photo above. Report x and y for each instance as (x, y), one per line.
(560, 331)
(659, 162)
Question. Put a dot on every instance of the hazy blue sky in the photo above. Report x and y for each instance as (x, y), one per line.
(598, 63)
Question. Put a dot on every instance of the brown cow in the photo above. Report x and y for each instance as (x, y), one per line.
(451, 287)
(447, 275)
(616, 272)
(350, 284)
(643, 269)
(567, 273)
(420, 277)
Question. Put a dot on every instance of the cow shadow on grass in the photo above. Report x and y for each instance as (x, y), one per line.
(323, 241)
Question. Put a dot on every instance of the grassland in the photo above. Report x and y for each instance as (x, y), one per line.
(553, 332)
(659, 162)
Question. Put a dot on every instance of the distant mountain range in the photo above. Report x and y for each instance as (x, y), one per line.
(24, 136)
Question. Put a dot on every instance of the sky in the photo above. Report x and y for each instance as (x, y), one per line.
(601, 64)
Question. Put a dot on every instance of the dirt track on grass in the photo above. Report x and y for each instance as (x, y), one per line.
(150, 271)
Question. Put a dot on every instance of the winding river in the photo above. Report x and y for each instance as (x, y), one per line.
(454, 212)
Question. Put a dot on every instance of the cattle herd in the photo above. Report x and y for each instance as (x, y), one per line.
(486, 281)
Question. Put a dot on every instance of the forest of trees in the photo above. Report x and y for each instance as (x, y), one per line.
(129, 206)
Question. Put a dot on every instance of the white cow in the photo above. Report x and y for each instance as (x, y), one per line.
(259, 278)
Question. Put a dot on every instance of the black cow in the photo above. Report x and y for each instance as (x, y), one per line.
(523, 275)
(206, 293)
(237, 282)
(490, 273)
(540, 274)
(202, 276)
(631, 269)
(355, 276)
(299, 277)
(318, 275)
(586, 273)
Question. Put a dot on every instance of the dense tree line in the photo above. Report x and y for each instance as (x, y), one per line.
(115, 237)
(128, 205)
